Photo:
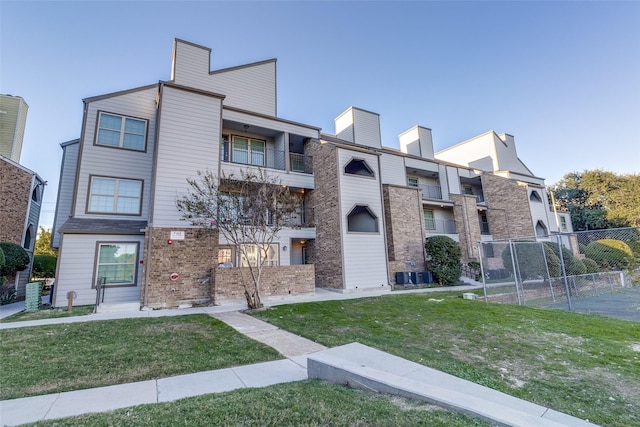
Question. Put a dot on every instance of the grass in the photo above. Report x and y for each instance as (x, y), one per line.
(305, 403)
(49, 359)
(46, 312)
(587, 366)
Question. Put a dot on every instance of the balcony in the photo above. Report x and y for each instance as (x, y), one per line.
(264, 157)
(484, 228)
(428, 191)
(300, 163)
(439, 226)
(300, 218)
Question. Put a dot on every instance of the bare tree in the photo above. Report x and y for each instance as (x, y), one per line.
(248, 210)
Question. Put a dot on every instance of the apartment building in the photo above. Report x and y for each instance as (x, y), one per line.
(364, 211)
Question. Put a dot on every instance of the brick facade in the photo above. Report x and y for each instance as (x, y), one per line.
(15, 187)
(192, 259)
(327, 250)
(465, 211)
(508, 209)
(284, 280)
(404, 229)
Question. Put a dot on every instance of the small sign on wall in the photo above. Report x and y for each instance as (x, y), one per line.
(177, 235)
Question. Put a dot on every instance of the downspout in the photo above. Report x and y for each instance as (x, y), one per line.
(152, 190)
(384, 224)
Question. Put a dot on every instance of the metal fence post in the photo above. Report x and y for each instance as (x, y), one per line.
(484, 281)
(564, 273)
(516, 271)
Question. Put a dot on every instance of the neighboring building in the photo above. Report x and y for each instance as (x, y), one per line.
(364, 212)
(21, 193)
(13, 118)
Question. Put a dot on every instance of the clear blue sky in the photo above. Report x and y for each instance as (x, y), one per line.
(562, 77)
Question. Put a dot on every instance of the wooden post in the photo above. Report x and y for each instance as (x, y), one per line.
(70, 301)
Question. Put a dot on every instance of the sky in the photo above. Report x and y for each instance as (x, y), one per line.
(562, 77)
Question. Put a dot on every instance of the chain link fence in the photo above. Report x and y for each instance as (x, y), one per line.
(592, 271)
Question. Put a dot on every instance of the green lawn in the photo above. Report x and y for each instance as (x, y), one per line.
(305, 403)
(45, 312)
(73, 356)
(584, 365)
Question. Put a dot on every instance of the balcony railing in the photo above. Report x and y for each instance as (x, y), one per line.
(302, 217)
(484, 227)
(300, 163)
(439, 226)
(429, 191)
(265, 157)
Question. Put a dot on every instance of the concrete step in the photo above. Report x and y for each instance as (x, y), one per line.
(370, 369)
(121, 307)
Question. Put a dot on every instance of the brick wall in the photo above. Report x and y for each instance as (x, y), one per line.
(508, 210)
(192, 259)
(283, 280)
(15, 187)
(327, 250)
(465, 211)
(404, 229)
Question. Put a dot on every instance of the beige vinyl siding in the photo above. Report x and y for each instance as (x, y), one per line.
(365, 263)
(393, 169)
(77, 264)
(65, 189)
(344, 126)
(116, 162)
(251, 87)
(422, 165)
(300, 180)
(367, 128)
(188, 142)
(453, 180)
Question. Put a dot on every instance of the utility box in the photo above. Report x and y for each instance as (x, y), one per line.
(32, 296)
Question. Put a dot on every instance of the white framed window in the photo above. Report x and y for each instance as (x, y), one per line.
(248, 151)
(116, 263)
(429, 221)
(253, 254)
(224, 256)
(122, 132)
(412, 182)
(563, 223)
(115, 196)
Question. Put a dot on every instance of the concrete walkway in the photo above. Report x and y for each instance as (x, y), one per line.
(353, 364)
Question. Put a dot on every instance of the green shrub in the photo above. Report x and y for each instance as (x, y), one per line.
(531, 261)
(443, 259)
(44, 266)
(15, 258)
(609, 253)
(591, 265)
(7, 292)
(573, 266)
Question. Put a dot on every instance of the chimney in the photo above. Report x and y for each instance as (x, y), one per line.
(417, 141)
(360, 127)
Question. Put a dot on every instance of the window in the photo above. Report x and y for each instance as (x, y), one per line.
(224, 256)
(535, 196)
(248, 151)
(114, 195)
(429, 222)
(358, 167)
(563, 223)
(362, 220)
(412, 182)
(28, 237)
(467, 189)
(117, 263)
(254, 253)
(541, 229)
(122, 132)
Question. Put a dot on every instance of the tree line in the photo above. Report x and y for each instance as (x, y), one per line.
(598, 199)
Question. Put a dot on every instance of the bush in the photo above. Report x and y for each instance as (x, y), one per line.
(443, 259)
(7, 292)
(531, 262)
(44, 266)
(573, 266)
(609, 253)
(15, 258)
(591, 265)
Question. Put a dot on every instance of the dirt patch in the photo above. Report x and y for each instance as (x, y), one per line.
(410, 405)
